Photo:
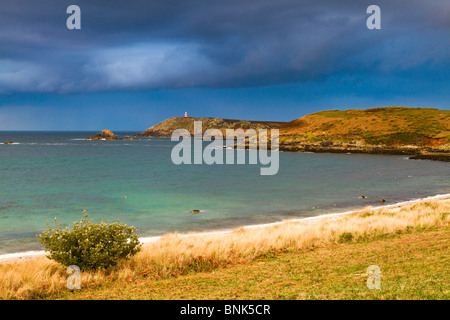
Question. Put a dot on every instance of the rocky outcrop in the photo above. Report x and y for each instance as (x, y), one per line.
(8, 142)
(104, 135)
(165, 128)
(435, 157)
(108, 135)
(349, 148)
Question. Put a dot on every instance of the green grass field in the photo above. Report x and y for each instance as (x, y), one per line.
(414, 265)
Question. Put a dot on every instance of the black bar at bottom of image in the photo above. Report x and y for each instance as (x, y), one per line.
(228, 309)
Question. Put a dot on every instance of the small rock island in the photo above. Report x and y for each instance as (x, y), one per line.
(107, 135)
(104, 135)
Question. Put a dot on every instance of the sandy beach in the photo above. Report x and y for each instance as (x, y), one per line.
(30, 275)
(146, 240)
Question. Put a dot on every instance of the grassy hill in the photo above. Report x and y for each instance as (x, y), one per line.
(392, 126)
(389, 130)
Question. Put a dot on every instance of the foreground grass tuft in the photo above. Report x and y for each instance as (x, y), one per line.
(173, 260)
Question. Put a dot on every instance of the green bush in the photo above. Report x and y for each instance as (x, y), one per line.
(345, 237)
(90, 245)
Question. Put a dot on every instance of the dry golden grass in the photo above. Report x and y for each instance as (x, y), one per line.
(173, 255)
(395, 126)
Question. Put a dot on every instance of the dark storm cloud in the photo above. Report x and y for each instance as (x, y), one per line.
(134, 45)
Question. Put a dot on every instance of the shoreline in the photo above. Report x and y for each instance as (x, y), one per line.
(9, 257)
(412, 153)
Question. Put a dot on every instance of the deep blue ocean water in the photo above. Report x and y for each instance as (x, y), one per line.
(58, 174)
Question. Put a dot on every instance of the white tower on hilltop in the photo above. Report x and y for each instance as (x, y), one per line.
(185, 114)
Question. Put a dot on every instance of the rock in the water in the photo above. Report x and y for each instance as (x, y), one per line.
(195, 211)
(8, 142)
(382, 200)
(104, 135)
(128, 138)
(362, 197)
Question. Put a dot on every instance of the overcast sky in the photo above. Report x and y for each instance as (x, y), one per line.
(135, 63)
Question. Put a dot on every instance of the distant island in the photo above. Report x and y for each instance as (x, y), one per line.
(107, 135)
(423, 133)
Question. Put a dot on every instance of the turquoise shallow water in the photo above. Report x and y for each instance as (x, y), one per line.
(58, 174)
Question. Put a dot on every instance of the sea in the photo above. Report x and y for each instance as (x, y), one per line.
(58, 175)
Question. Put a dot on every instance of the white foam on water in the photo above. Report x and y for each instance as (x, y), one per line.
(20, 255)
(326, 215)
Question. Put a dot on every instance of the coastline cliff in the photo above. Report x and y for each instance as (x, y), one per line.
(165, 128)
(420, 132)
(391, 130)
